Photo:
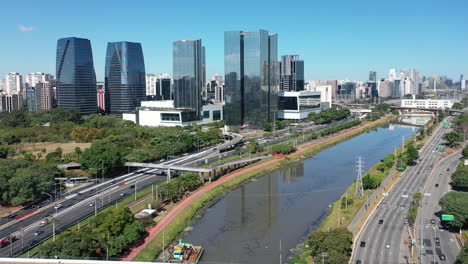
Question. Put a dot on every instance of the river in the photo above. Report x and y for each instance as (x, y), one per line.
(247, 224)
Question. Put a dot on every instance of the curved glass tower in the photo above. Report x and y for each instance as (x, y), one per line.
(125, 81)
(76, 79)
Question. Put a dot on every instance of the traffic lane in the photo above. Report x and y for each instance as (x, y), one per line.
(75, 198)
(447, 245)
(410, 174)
(74, 216)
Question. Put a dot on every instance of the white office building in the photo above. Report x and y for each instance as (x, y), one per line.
(35, 77)
(298, 105)
(164, 113)
(426, 103)
(13, 83)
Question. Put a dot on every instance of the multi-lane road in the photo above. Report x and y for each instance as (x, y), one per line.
(87, 201)
(382, 238)
(439, 245)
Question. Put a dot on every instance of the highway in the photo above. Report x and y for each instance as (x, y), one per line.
(383, 239)
(85, 202)
(447, 244)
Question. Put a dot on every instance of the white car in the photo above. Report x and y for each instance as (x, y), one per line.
(387, 245)
(58, 206)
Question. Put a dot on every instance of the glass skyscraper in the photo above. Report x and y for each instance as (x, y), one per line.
(188, 75)
(251, 77)
(76, 78)
(125, 83)
(291, 73)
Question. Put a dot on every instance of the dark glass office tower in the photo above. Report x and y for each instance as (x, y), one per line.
(76, 79)
(125, 82)
(291, 73)
(188, 71)
(251, 77)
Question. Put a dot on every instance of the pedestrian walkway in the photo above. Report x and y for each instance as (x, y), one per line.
(134, 252)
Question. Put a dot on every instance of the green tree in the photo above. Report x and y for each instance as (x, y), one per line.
(457, 106)
(411, 154)
(463, 256)
(417, 196)
(5, 152)
(267, 127)
(337, 243)
(102, 155)
(460, 178)
(453, 138)
(456, 203)
(371, 181)
(465, 152)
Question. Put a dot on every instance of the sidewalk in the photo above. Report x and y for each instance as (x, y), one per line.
(134, 252)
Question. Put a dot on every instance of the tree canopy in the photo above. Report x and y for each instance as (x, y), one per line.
(336, 243)
(456, 203)
(453, 138)
(22, 181)
(327, 116)
(115, 230)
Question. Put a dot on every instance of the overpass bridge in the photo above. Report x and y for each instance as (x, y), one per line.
(450, 110)
(66, 261)
(211, 172)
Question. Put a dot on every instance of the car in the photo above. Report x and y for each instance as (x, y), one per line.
(440, 175)
(380, 221)
(407, 222)
(433, 221)
(132, 186)
(114, 181)
(387, 245)
(58, 206)
(38, 232)
(358, 262)
(91, 204)
(448, 169)
(437, 240)
(363, 244)
(32, 243)
(436, 185)
(162, 160)
(442, 257)
(122, 194)
(11, 215)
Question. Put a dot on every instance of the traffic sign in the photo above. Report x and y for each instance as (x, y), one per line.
(438, 146)
(446, 123)
(447, 217)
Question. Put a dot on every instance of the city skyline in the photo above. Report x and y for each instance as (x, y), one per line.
(329, 50)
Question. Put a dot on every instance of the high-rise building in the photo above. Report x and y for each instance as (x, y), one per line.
(151, 84)
(215, 89)
(372, 76)
(291, 73)
(251, 77)
(13, 83)
(31, 99)
(10, 102)
(159, 86)
(34, 77)
(125, 82)
(76, 78)
(392, 75)
(44, 95)
(409, 82)
(188, 58)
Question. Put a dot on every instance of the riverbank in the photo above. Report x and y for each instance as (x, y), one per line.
(352, 212)
(176, 220)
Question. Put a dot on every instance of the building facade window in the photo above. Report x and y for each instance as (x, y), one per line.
(216, 115)
(206, 114)
(170, 117)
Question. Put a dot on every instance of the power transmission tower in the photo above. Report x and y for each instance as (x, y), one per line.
(359, 186)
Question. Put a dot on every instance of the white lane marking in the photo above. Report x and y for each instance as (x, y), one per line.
(404, 195)
(427, 194)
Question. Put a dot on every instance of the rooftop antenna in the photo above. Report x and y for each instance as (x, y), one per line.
(359, 186)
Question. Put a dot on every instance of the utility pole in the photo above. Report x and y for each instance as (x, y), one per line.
(135, 189)
(95, 207)
(280, 256)
(422, 232)
(53, 229)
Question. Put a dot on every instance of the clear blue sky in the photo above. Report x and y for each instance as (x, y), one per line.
(336, 39)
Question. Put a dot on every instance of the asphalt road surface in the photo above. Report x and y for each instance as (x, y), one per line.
(383, 241)
(85, 202)
(437, 187)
